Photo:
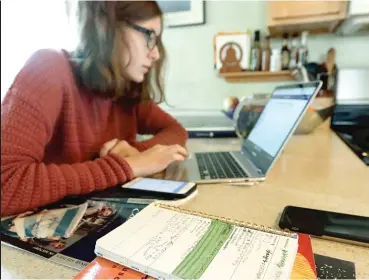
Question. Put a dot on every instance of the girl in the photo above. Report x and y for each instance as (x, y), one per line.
(69, 121)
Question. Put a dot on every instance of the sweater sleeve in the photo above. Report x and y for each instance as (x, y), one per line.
(153, 120)
(26, 181)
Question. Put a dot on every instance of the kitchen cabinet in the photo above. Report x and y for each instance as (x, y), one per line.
(297, 16)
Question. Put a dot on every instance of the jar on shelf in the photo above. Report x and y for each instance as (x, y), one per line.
(275, 61)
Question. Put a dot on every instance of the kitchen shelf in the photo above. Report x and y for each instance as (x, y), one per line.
(260, 76)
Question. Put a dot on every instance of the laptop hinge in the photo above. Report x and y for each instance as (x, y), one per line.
(249, 162)
(258, 170)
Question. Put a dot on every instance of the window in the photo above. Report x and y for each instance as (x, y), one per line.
(27, 26)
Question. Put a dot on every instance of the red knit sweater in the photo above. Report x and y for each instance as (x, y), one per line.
(52, 131)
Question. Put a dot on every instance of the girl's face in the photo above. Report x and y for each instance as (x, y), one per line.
(141, 38)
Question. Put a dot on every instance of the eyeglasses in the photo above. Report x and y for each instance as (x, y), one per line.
(150, 35)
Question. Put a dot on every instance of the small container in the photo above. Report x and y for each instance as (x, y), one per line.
(275, 61)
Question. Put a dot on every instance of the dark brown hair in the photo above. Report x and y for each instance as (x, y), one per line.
(98, 56)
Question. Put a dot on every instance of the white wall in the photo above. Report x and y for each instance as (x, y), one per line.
(193, 83)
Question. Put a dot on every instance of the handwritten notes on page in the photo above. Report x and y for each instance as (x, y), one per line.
(169, 244)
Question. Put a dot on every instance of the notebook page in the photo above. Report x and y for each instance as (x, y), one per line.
(192, 247)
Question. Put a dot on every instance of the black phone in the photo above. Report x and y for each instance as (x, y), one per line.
(330, 225)
(160, 188)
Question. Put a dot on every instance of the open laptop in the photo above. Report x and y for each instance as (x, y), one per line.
(261, 148)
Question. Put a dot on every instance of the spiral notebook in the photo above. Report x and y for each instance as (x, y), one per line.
(169, 242)
(303, 268)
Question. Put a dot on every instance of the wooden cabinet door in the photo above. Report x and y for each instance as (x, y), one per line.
(296, 16)
(284, 10)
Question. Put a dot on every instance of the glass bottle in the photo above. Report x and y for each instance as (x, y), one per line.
(285, 53)
(294, 52)
(265, 63)
(303, 51)
(256, 53)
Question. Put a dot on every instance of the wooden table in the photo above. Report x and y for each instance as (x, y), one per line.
(316, 170)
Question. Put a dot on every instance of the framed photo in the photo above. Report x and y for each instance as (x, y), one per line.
(183, 13)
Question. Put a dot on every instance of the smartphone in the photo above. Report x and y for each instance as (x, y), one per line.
(325, 224)
(162, 188)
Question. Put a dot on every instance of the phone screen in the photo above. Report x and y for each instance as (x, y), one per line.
(158, 185)
(318, 222)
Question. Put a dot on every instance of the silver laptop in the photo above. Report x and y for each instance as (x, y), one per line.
(202, 124)
(277, 122)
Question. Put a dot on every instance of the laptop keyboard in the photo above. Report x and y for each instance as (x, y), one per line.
(218, 165)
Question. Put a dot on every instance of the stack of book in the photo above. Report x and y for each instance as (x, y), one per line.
(164, 241)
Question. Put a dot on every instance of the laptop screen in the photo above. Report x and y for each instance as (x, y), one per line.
(276, 122)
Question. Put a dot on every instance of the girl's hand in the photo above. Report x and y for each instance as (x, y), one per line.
(155, 159)
(119, 147)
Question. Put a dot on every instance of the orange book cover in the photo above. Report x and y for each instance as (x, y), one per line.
(304, 266)
(101, 268)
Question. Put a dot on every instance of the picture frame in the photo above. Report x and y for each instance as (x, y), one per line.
(183, 13)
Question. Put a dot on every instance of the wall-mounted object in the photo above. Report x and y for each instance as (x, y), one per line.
(241, 44)
(183, 13)
(229, 58)
(298, 16)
